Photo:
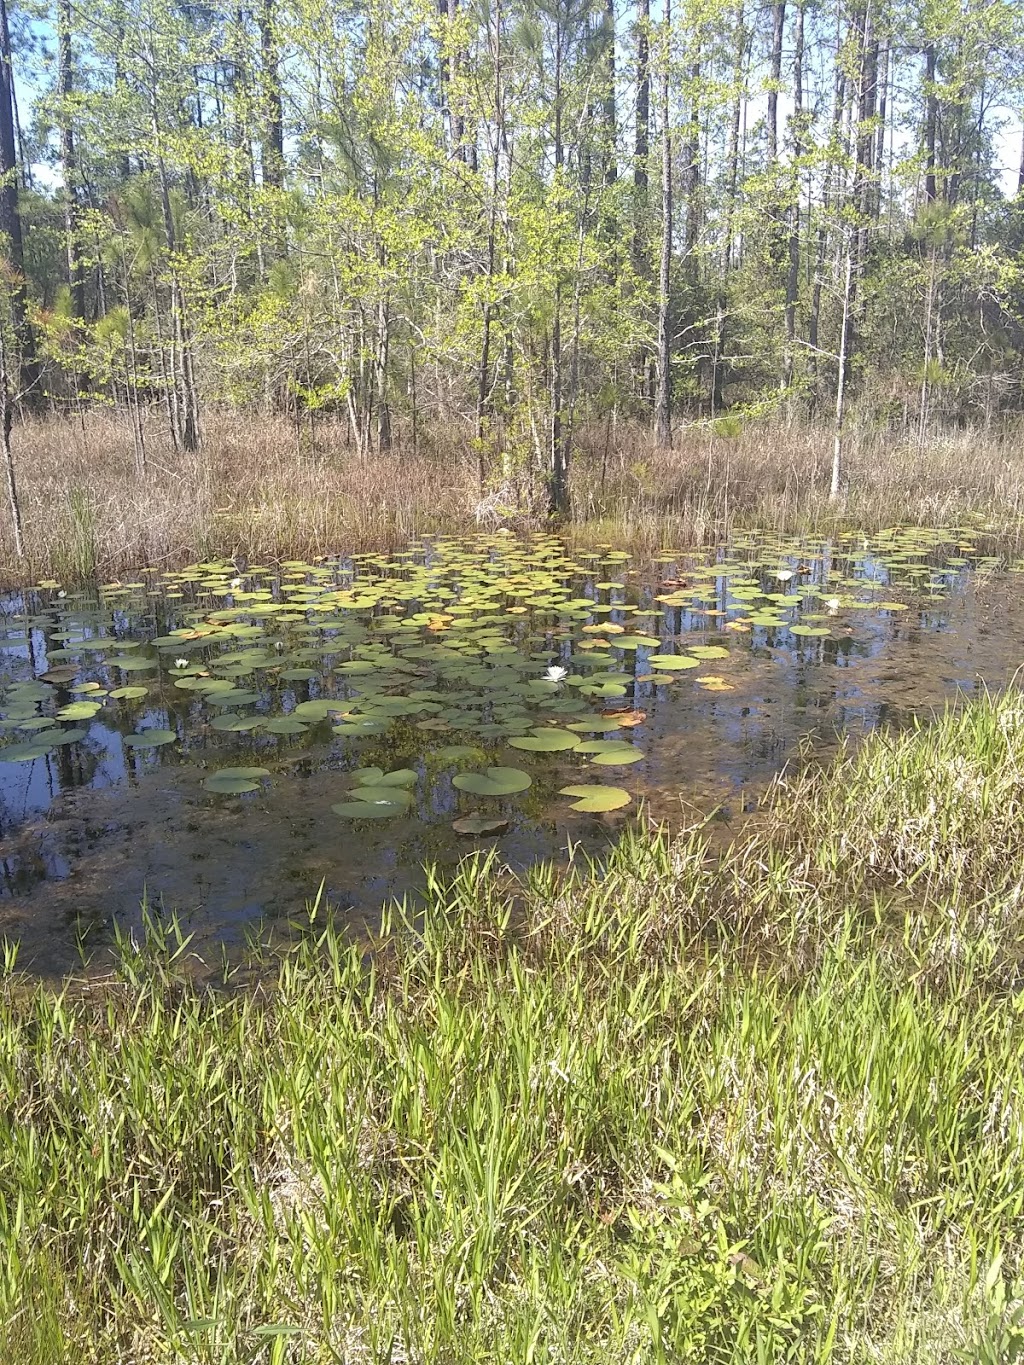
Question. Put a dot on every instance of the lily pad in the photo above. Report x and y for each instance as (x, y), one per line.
(596, 798)
(128, 693)
(149, 739)
(493, 782)
(235, 781)
(26, 752)
(78, 710)
(479, 824)
(376, 777)
(286, 725)
(545, 741)
(672, 663)
(610, 752)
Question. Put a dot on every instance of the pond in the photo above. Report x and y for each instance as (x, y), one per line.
(218, 740)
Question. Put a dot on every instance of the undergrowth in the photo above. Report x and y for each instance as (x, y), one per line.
(761, 1105)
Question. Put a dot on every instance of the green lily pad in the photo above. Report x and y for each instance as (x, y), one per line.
(376, 777)
(131, 664)
(672, 663)
(25, 753)
(545, 741)
(78, 710)
(493, 782)
(809, 630)
(709, 651)
(610, 752)
(233, 724)
(286, 725)
(596, 725)
(128, 693)
(634, 642)
(596, 798)
(317, 710)
(149, 739)
(235, 781)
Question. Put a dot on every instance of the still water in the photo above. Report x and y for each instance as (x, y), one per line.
(219, 740)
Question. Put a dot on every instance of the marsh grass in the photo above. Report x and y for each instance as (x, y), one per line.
(761, 1105)
(254, 492)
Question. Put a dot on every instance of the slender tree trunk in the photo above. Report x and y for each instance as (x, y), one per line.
(837, 439)
(642, 144)
(6, 422)
(69, 165)
(663, 406)
(273, 108)
(732, 161)
(772, 120)
(611, 168)
(559, 501)
(10, 213)
(793, 273)
(931, 109)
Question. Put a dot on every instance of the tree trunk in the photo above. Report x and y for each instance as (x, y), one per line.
(931, 110)
(793, 273)
(69, 165)
(663, 405)
(10, 214)
(6, 420)
(778, 28)
(273, 109)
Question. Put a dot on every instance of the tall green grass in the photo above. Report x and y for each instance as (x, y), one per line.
(762, 1106)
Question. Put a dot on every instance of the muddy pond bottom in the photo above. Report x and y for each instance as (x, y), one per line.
(220, 740)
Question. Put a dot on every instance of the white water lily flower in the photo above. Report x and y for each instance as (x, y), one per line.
(181, 663)
(784, 575)
(236, 582)
(555, 673)
(832, 605)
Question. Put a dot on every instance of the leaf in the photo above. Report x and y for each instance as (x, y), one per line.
(479, 824)
(493, 782)
(235, 781)
(545, 741)
(597, 798)
(672, 663)
(149, 739)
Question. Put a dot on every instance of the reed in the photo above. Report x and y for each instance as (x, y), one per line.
(253, 491)
(755, 1105)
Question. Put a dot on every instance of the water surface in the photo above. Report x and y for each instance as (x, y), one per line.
(221, 739)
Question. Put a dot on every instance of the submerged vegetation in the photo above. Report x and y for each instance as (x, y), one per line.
(754, 1105)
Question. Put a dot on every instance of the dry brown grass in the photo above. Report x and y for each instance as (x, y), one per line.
(252, 492)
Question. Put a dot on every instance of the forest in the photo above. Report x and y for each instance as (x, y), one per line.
(492, 227)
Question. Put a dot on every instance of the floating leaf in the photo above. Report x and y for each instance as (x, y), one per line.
(672, 662)
(545, 741)
(149, 739)
(79, 710)
(596, 798)
(479, 824)
(25, 753)
(376, 777)
(235, 781)
(493, 782)
(597, 725)
(627, 720)
(128, 693)
(236, 724)
(286, 725)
